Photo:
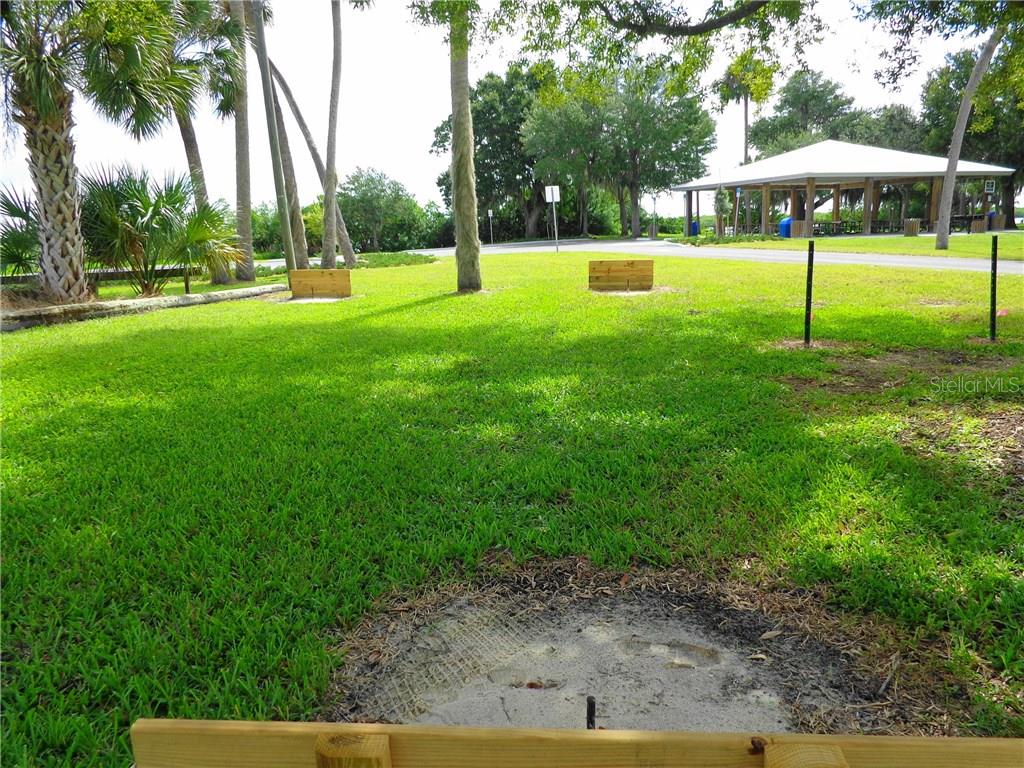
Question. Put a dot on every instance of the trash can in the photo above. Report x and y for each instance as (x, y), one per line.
(911, 227)
(694, 228)
(786, 227)
(990, 220)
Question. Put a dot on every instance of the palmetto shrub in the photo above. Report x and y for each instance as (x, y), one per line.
(19, 234)
(149, 228)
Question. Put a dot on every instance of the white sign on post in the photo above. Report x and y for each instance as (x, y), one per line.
(551, 195)
(990, 186)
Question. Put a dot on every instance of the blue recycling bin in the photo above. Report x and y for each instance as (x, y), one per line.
(990, 221)
(786, 227)
(694, 228)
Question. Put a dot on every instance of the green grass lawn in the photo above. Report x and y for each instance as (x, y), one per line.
(194, 498)
(1011, 245)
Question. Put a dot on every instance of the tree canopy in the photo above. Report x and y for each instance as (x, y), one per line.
(812, 108)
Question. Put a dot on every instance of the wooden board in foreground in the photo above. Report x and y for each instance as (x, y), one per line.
(320, 283)
(622, 275)
(225, 744)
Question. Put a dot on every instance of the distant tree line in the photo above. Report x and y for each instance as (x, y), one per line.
(605, 136)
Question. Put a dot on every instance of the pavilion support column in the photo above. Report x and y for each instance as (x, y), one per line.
(736, 210)
(696, 196)
(933, 203)
(876, 200)
(837, 193)
(689, 213)
(766, 208)
(869, 204)
(794, 202)
(809, 210)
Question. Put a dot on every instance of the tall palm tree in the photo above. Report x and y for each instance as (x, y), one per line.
(328, 259)
(344, 241)
(245, 269)
(260, 44)
(114, 54)
(298, 226)
(463, 171)
(207, 44)
(748, 78)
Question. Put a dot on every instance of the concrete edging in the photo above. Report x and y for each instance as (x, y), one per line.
(18, 319)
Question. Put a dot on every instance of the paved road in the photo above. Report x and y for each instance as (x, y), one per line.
(645, 247)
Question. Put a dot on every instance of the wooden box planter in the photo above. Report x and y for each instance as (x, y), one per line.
(320, 283)
(622, 275)
(979, 225)
(911, 227)
(212, 744)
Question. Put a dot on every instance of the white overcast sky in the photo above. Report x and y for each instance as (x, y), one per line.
(394, 92)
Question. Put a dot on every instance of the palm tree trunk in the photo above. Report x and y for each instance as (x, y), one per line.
(344, 241)
(634, 203)
(746, 128)
(534, 209)
(467, 238)
(329, 258)
(246, 269)
(584, 195)
(620, 195)
(1008, 204)
(269, 101)
(51, 161)
(195, 161)
(218, 275)
(298, 226)
(949, 182)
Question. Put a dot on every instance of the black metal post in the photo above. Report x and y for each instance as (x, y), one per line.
(591, 713)
(992, 290)
(810, 284)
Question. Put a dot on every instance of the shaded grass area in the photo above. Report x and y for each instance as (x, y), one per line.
(193, 499)
(1011, 245)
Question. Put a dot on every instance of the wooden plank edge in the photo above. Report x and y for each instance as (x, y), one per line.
(181, 743)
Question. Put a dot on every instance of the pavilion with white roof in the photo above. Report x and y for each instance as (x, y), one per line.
(837, 166)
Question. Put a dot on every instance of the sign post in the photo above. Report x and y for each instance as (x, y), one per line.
(808, 305)
(490, 221)
(552, 195)
(992, 290)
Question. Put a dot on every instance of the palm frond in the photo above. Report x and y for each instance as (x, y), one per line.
(19, 233)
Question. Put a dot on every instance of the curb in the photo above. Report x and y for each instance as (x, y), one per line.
(19, 319)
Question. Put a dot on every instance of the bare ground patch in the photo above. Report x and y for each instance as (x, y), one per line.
(511, 642)
(843, 346)
(998, 445)
(852, 374)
